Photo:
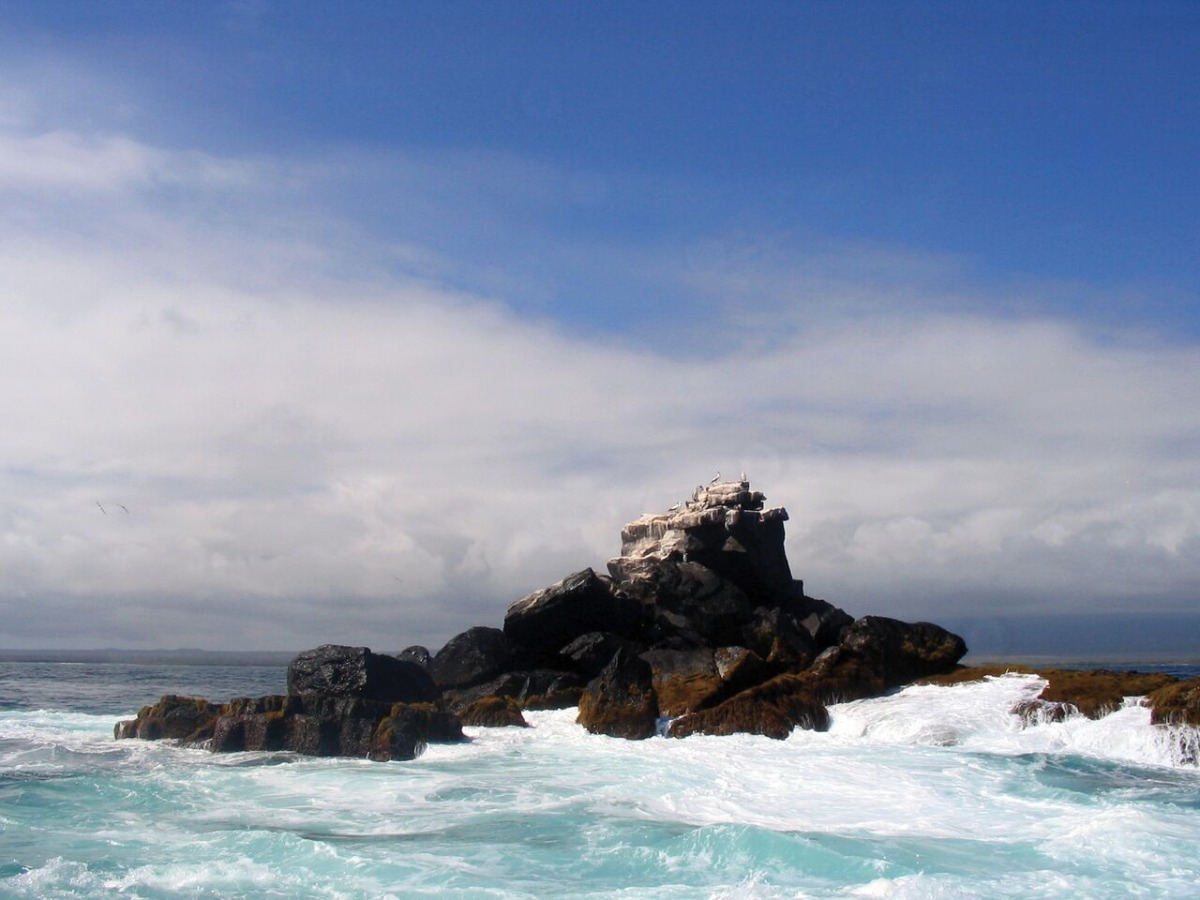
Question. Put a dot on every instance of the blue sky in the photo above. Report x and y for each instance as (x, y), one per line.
(379, 315)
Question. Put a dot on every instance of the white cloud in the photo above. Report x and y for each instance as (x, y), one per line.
(311, 448)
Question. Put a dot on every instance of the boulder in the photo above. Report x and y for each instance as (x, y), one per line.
(189, 719)
(521, 687)
(357, 672)
(774, 709)
(739, 669)
(493, 712)
(416, 654)
(311, 724)
(589, 653)
(877, 653)
(692, 602)
(825, 623)
(683, 680)
(472, 657)
(620, 701)
(553, 617)
(1176, 703)
(778, 638)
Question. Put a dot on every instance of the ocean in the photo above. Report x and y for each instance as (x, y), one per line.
(929, 792)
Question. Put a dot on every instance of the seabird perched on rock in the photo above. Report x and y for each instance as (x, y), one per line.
(716, 478)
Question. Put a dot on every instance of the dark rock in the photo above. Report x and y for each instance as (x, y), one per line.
(406, 731)
(687, 600)
(416, 654)
(357, 672)
(493, 712)
(519, 686)
(775, 709)
(562, 698)
(620, 701)
(311, 724)
(189, 719)
(683, 680)
(472, 657)
(826, 623)
(590, 653)
(877, 654)
(786, 645)
(580, 603)
(739, 669)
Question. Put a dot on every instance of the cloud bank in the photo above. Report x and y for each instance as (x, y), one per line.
(236, 420)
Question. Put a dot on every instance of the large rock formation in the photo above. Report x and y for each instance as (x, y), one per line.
(698, 627)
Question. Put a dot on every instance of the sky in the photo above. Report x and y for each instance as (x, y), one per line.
(357, 322)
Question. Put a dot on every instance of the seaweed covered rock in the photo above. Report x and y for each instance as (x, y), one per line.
(189, 719)
(1093, 693)
(521, 687)
(877, 654)
(493, 712)
(774, 709)
(311, 724)
(620, 701)
(1177, 703)
(1096, 692)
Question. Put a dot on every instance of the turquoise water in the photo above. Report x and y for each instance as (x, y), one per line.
(932, 792)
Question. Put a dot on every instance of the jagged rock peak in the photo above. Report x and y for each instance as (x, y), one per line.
(726, 529)
(722, 503)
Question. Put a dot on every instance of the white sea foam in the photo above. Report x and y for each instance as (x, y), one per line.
(930, 792)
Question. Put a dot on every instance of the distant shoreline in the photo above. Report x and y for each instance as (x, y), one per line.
(180, 657)
(196, 657)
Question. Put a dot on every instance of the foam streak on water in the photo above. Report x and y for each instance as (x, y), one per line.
(932, 792)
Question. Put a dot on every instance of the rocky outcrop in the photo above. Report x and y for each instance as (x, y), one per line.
(341, 701)
(339, 671)
(581, 603)
(473, 657)
(698, 627)
(620, 701)
(1176, 703)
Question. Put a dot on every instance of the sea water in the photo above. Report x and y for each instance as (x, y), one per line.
(929, 792)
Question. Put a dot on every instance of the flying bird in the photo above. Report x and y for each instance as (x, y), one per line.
(123, 506)
(102, 509)
(716, 478)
